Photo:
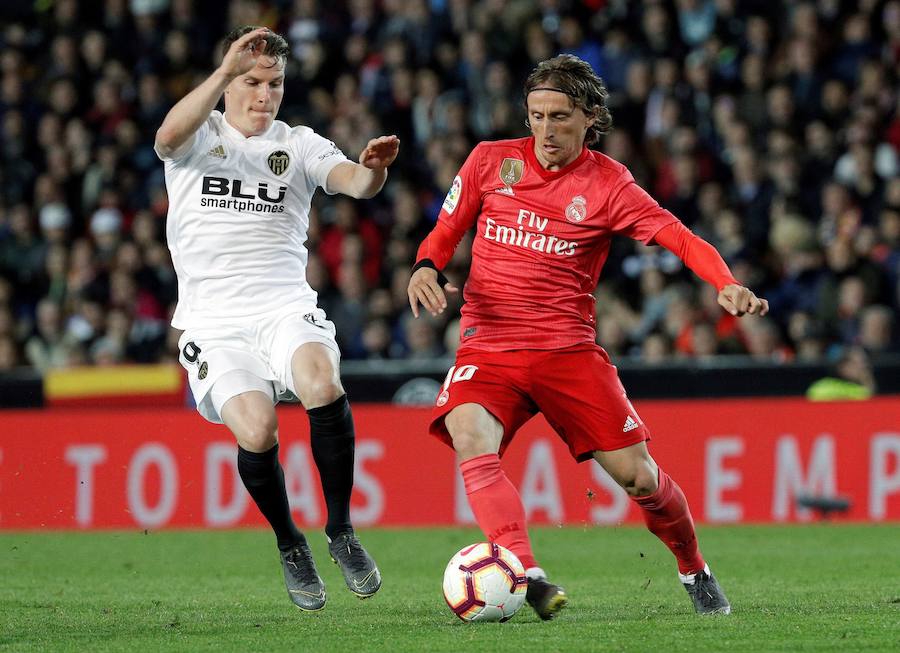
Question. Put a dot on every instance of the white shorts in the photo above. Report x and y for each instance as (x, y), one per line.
(225, 359)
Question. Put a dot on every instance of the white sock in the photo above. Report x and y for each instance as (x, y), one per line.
(688, 579)
(534, 573)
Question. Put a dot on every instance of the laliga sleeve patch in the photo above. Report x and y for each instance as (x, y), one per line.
(452, 198)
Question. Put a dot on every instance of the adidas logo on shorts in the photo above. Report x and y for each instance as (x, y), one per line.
(630, 424)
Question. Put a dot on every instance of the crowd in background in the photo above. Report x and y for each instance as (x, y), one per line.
(772, 129)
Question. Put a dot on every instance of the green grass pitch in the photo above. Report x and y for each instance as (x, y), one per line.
(816, 587)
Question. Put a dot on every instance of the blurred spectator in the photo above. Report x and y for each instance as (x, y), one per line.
(853, 379)
(451, 337)
(876, 330)
(21, 252)
(772, 129)
(348, 312)
(704, 342)
(49, 347)
(376, 340)
(421, 338)
(764, 342)
(808, 335)
(656, 348)
(54, 220)
(9, 354)
(106, 225)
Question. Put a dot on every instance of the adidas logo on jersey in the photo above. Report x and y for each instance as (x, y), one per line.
(218, 151)
(630, 424)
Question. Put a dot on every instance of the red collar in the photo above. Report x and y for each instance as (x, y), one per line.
(532, 159)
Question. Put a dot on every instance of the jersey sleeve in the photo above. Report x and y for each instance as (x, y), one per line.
(459, 211)
(319, 156)
(191, 145)
(633, 213)
(697, 254)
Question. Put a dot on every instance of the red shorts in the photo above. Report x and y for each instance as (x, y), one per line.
(577, 389)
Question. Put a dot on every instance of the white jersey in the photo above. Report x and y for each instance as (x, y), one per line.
(238, 219)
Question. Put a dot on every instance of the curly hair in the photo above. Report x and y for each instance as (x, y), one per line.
(568, 74)
(276, 45)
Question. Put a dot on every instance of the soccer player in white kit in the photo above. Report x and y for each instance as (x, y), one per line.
(240, 185)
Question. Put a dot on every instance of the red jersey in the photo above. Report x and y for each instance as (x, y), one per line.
(541, 239)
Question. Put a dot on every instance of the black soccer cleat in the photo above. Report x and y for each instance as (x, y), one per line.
(360, 571)
(706, 594)
(546, 598)
(304, 585)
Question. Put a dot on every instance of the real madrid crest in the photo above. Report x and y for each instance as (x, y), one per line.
(577, 209)
(278, 161)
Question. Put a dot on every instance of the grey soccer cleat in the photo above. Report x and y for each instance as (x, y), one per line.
(304, 585)
(546, 598)
(360, 571)
(706, 594)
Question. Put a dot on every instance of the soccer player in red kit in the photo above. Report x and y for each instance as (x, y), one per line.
(545, 209)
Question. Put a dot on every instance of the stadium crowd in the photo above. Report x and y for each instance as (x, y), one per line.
(772, 129)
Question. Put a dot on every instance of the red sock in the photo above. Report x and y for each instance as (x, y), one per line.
(497, 506)
(667, 515)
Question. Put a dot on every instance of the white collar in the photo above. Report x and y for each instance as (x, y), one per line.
(237, 135)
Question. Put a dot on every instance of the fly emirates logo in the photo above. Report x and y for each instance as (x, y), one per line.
(528, 234)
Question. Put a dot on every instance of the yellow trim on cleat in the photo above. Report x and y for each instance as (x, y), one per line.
(556, 604)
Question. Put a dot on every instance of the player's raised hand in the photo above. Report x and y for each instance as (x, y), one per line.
(739, 300)
(244, 53)
(380, 152)
(424, 288)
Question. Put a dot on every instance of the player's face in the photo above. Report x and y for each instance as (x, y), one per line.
(252, 99)
(558, 127)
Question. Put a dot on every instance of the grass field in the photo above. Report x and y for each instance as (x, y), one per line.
(793, 588)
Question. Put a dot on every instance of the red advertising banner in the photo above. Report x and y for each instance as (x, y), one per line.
(737, 461)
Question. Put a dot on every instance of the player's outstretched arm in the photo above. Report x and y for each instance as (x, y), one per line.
(425, 287)
(707, 263)
(365, 179)
(185, 118)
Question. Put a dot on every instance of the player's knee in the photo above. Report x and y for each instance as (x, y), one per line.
(320, 391)
(469, 443)
(473, 432)
(643, 481)
(259, 432)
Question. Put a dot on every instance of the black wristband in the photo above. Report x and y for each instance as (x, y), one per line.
(428, 263)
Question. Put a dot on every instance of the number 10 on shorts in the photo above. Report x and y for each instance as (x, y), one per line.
(454, 374)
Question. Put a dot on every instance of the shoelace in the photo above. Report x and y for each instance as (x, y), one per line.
(701, 581)
(351, 551)
(299, 562)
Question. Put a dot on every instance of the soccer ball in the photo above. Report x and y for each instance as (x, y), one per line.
(485, 582)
